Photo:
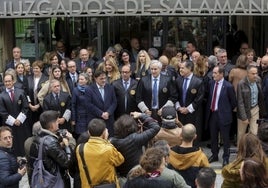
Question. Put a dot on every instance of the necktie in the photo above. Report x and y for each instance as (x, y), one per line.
(214, 97)
(83, 65)
(155, 93)
(184, 90)
(11, 94)
(102, 92)
(57, 98)
(73, 79)
(125, 86)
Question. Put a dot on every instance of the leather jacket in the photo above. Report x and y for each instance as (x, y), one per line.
(131, 146)
(54, 155)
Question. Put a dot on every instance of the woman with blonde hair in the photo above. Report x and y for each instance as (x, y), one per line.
(142, 64)
(250, 55)
(174, 62)
(110, 67)
(200, 66)
(249, 147)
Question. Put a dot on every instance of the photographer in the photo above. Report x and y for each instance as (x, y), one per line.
(10, 173)
(57, 149)
(129, 140)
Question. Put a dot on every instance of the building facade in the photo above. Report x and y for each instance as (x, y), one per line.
(35, 25)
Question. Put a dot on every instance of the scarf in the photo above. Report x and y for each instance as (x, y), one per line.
(153, 174)
(81, 88)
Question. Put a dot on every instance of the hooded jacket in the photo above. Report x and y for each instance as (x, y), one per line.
(188, 162)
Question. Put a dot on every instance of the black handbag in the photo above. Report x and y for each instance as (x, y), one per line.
(102, 185)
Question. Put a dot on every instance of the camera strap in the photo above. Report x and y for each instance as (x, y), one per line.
(81, 152)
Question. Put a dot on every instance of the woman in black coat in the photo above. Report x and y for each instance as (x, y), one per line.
(79, 117)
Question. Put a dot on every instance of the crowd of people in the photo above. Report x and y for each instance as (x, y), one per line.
(138, 117)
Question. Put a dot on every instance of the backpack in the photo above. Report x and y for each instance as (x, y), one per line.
(41, 178)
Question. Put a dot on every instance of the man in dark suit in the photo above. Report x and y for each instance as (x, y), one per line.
(16, 58)
(13, 111)
(155, 91)
(110, 53)
(190, 90)
(220, 105)
(60, 101)
(224, 62)
(125, 91)
(71, 75)
(85, 61)
(61, 50)
(102, 100)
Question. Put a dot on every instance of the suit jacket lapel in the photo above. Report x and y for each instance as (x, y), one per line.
(222, 89)
(97, 92)
(7, 96)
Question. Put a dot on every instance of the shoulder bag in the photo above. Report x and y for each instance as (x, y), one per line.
(41, 178)
(102, 185)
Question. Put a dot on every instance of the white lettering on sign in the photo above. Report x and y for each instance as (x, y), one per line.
(75, 8)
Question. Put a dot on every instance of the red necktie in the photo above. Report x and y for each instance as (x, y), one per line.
(214, 97)
(11, 94)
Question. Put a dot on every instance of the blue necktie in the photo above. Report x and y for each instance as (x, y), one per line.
(101, 89)
(125, 85)
(155, 92)
(184, 90)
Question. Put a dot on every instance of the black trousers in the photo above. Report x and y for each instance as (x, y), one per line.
(217, 127)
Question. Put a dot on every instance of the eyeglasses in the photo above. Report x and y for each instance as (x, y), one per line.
(72, 66)
(7, 138)
(125, 72)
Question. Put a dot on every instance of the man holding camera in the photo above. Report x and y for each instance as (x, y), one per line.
(10, 173)
(57, 149)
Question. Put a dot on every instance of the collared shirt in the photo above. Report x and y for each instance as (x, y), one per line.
(73, 76)
(56, 96)
(220, 83)
(101, 90)
(128, 83)
(189, 79)
(253, 93)
(190, 107)
(9, 91)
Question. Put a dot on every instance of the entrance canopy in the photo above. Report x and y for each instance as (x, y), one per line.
(98, 8)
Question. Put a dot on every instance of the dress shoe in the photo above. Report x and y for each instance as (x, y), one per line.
(212, 158)
(225, 162)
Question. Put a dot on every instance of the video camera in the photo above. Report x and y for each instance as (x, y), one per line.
(61, 133)
(22, 163)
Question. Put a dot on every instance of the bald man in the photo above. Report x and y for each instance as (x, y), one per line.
(167, 69)
(84, 61)
(186, 158)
